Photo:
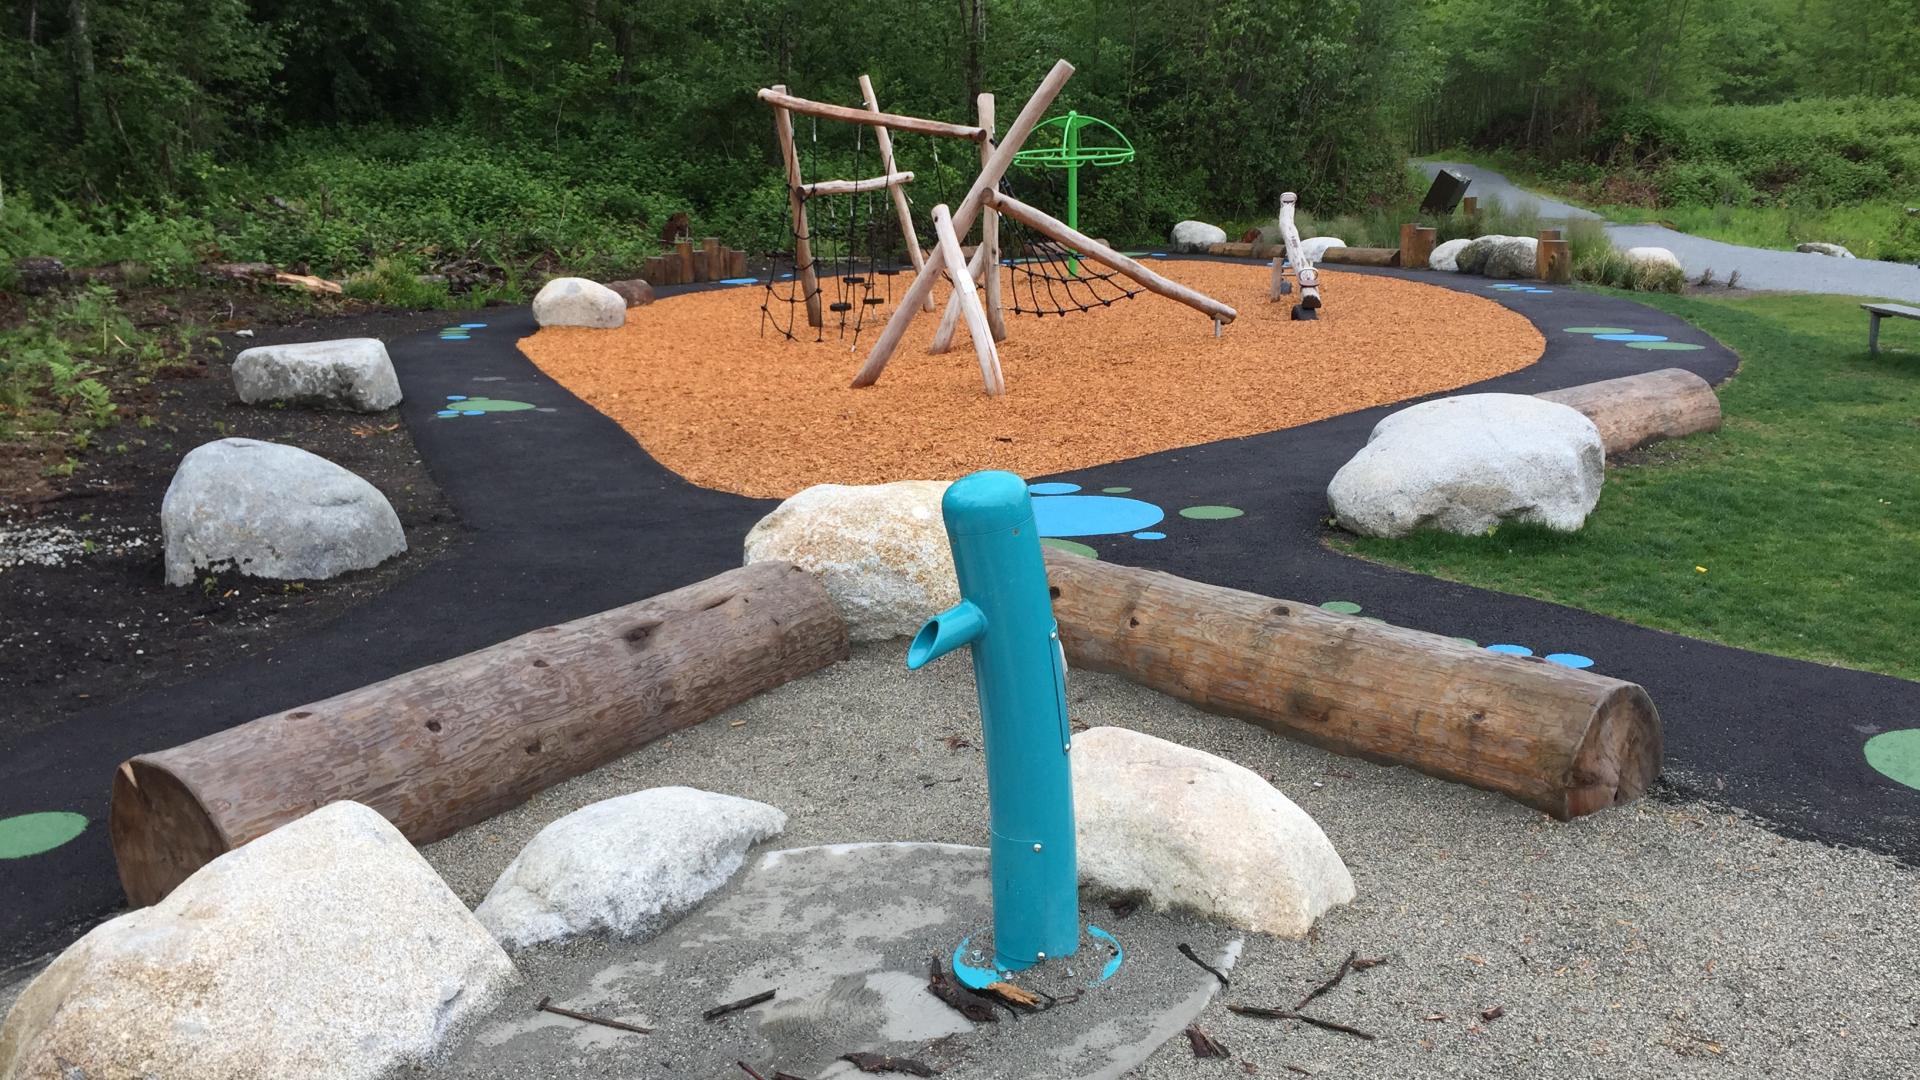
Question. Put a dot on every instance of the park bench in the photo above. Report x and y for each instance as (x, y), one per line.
(1876, 312)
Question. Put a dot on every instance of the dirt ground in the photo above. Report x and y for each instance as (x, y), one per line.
(84, 615)
(712, 388)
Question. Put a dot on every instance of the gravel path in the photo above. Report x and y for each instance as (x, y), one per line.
(1760, 268)
(1663, 939)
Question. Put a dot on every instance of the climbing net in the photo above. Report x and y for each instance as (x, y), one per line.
(854, 249)
(1046, 278)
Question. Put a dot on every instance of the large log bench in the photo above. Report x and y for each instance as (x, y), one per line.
(1876, 312)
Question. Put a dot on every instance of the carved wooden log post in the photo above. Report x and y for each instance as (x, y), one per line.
(990, 229)
(442, 747)
(1638, 409)
(1562, 741)
(957, 270)
(1416, 245)
(1553, 260)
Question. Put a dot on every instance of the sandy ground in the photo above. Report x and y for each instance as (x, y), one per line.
(728, 406)
(1658, 940)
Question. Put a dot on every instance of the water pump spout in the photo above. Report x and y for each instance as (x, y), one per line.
(958, 626)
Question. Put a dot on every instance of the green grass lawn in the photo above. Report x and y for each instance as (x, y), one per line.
(1794, 530)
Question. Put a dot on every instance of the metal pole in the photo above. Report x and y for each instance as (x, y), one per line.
(1071, 140)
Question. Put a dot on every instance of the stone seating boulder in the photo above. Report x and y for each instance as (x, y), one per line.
(572, 301)
(348, 373)
(1467, 464)
(272, 511)
(1197, 236)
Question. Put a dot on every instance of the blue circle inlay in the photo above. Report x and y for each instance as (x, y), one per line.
(1511, 650)
(1052, 488)
(446, 412)
(1568, 659)
(473, 412)
(472, 325)
(1629, 337)
(1093, 515)
(456, 397)
(740, 281)
(1149, 536)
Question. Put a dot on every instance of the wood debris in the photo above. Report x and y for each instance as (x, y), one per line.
(719, 1011)
(880, 1063)
(941, 984)
(1204, 1045)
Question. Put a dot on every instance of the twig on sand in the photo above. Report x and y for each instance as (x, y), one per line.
(719, 1011)
(1186, 950)
(879, 1063)
(546, 1005)
(959, 998)
(1204, 1045)
(750, 1070)
(1289, 1014)
(1353, 962)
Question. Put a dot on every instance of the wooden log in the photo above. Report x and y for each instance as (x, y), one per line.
(780, 99)
(702, 265)
(736, 263)
(1277, 280)
(1470, 205)
(1635, 410)
(962, 278)
(1232, 249)
(1553, 260)
(1416, 245)
(1090, 248)
(1361, 256)
(990, 228)
(1562, 741)
(683, 250)
(855, 187)
(963, 217)
(942, 341)
(904, 213)
(714, 266)
(797, 206)
(445, 746)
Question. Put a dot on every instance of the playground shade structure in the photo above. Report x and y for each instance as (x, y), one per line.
(710, 396)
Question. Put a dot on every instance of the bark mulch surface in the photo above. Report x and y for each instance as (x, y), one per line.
(87, 619)
(730, 405)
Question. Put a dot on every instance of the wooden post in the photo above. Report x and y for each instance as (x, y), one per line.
(1470, 205)
(989, 178)
(1638, 409)
(1277, 281)
(736, 263)
(779, 98)
(1088, 247)
(1553, 259)
(802, 243)
(1562, 741)
(683, 250)
(884, 137)
(446, 746)
(942, 342)
(962, 278)
(990, 228)
(1416, 245)
(716, 265)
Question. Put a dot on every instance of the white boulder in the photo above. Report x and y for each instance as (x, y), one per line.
(1447, 256)
(1498, 256)
(572, 301)
(1313, 248)
(326, 948)
(1831, 250)
(625, 865)
(1465, 464)
(272, 511)
(1196, 831)
(1196, 236)
(880, 549)
(1652, 256)
(348, 373)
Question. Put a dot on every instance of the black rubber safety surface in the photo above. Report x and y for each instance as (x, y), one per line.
(568, 516)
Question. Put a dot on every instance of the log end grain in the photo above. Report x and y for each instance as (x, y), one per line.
(161, 833)
(1620, 757)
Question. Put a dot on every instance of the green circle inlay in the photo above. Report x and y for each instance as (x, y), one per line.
(1665, 346)
(487, 404)
(31, 834)
(1896, 755)
(1597, 330)
(1211, 513)
(1068, 546)
(1341, 607)
(1116, 490)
